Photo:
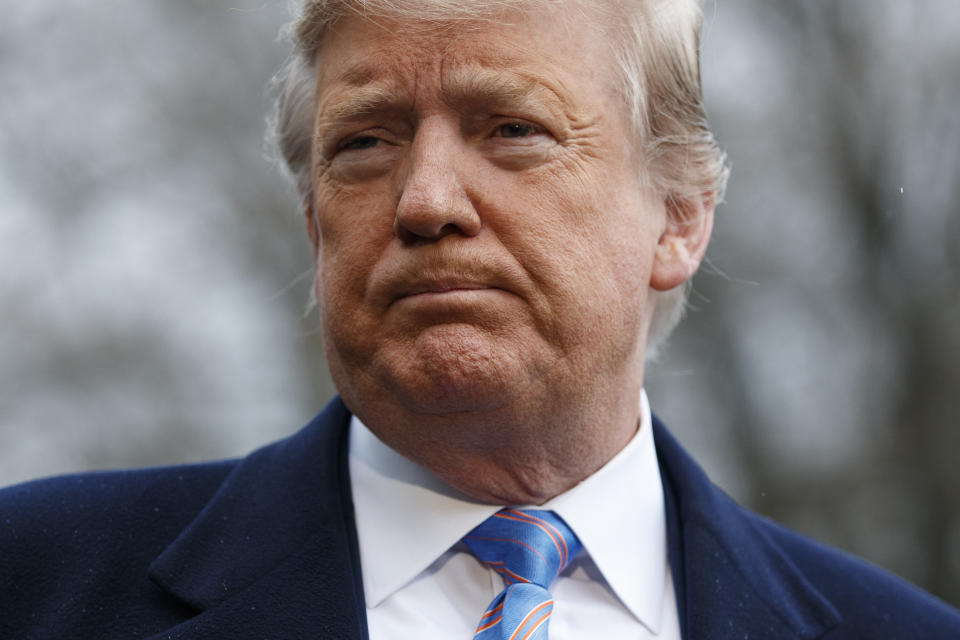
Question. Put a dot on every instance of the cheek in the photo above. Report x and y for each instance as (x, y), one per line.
(348, 322)
(565, 225)
(590, 250)
(355, 227)
(346, 212)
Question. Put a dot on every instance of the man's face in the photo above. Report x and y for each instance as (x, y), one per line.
(483, 235)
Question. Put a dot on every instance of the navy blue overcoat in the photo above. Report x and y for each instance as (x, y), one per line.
(264, 548)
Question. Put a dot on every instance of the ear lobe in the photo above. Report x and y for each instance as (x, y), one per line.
(684, 241)
(313, 230)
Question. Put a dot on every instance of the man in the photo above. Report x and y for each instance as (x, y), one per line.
(505, 201)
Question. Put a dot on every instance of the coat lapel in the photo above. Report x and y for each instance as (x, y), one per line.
(274, 553)
(733, 581)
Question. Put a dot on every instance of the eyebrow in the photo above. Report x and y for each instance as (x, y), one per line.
(356, 92)
(355, 104)
(472, 84)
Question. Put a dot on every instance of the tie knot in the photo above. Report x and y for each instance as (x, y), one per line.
(524, 545)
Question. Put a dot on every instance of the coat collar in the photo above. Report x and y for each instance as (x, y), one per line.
(267, 552)
(732, 580)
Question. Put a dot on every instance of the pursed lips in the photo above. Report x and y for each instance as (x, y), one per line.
(436, 276)
(439, 287)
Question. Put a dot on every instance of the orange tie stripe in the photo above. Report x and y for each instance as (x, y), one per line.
(528, 548)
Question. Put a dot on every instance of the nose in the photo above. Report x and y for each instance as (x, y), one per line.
(434, 201)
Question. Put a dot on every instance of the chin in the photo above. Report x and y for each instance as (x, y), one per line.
(454, 369)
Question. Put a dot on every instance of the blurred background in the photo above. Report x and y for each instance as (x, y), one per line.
(154, 269)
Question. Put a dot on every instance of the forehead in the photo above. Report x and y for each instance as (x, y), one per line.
(556, 48)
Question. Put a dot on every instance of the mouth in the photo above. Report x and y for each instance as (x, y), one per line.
(441, 287)
(445, 294)
(441, 281)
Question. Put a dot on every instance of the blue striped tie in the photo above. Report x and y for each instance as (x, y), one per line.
(529, 548)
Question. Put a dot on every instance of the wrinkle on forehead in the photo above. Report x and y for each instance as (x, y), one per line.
(402, 67)
(464, 86)
(468, 74)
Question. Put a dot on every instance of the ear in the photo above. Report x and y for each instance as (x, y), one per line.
(313, 230)
(684, 240)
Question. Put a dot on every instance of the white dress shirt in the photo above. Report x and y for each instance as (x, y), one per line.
(421, 582)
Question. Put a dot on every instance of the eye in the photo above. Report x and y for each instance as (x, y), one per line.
(359, 143)
(517, 130)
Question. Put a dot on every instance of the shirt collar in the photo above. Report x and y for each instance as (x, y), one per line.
(400, 506)
(618, 514)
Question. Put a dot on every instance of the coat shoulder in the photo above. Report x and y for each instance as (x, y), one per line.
(78, 546)
(872, 602)
(81, 509)
(753, 577)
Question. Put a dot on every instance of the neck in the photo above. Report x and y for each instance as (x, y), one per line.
(513, 456)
